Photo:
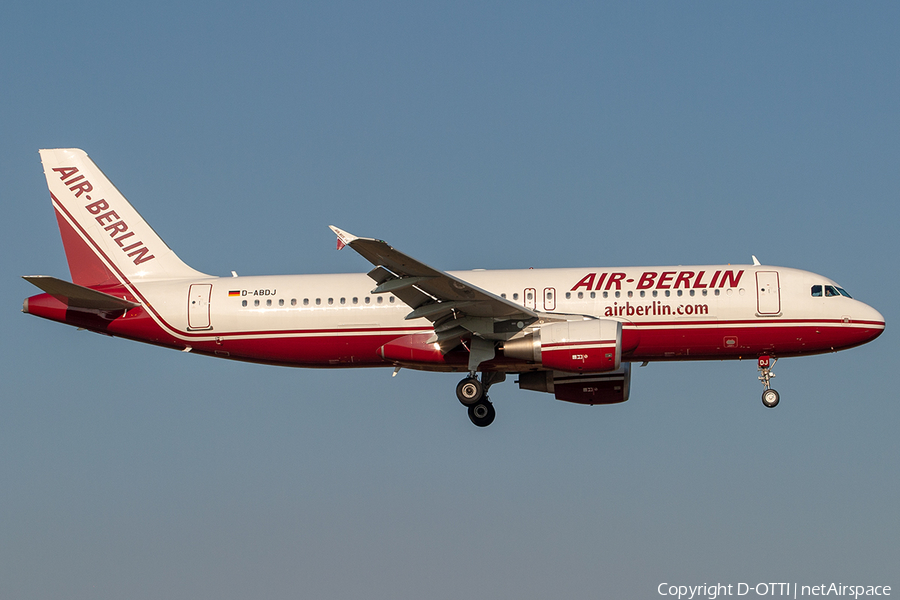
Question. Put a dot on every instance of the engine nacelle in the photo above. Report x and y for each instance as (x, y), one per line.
(596, 388)
(593, 346)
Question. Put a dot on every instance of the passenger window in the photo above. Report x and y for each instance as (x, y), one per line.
(593, 295)
(580, 295)
(816, 291)
(368, 299)
(380, 299)
(330, 301)
(356, 301)
(243, 303)
(515, 296)
(268, 303)
(293, 302)
(343, 301)
(391, 299)
(318, 301)
(281, 302)
(503, 295)
(256, 303)
(306, 302)
(568, 295)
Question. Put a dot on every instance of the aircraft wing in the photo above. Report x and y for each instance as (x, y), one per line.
(457, 308)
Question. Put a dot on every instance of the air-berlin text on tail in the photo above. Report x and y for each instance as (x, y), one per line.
(109, 220)
(664, 280)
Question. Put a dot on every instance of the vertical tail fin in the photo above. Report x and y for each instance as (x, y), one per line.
(105, 238)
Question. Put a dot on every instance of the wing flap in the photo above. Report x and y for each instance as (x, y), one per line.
(398, 283)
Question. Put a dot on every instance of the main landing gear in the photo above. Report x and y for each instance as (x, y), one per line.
(770, 397)
(472, 394)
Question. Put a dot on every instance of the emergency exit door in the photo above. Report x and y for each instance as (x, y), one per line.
(530, 298)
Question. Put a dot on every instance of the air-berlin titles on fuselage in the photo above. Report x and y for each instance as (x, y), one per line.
(109, 220)
(667, 280)
(654, 309)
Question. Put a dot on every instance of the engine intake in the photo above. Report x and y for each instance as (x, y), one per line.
(593, 346)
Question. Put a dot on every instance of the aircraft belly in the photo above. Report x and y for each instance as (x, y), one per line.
(727, 340)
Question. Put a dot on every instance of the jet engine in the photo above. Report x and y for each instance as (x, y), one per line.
(593, 346)
(597, 388)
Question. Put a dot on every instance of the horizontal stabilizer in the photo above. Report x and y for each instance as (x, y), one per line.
(78, 296)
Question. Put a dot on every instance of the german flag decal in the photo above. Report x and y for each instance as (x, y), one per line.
(233, 293)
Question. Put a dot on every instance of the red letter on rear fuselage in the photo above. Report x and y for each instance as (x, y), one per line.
(664, 279)
(587, 281)
(615, 278)
(732, 278)
(684, 277)
(646, 281)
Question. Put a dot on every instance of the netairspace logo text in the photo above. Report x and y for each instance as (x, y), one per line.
(791, 590)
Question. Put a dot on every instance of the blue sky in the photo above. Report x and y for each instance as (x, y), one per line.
(469, 135)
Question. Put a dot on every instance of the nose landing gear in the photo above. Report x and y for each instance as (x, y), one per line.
(770, 397)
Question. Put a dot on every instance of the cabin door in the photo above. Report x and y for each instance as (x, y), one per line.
(768, 293)
(198, 306)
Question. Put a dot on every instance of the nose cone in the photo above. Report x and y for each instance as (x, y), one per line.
(870, 321)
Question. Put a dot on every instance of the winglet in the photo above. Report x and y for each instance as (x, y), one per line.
(344, 238)
(755, 261)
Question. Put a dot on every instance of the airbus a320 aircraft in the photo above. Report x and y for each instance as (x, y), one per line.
(570, 332)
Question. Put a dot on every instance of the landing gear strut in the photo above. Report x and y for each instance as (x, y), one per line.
(472, 393)
(770, 397)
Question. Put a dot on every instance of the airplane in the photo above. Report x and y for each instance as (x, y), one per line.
(571, 332)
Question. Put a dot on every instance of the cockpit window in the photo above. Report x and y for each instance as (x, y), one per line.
(831, 291)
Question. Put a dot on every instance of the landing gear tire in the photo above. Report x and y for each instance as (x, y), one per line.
(470, 391)
(770, 398)
(482, 413)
